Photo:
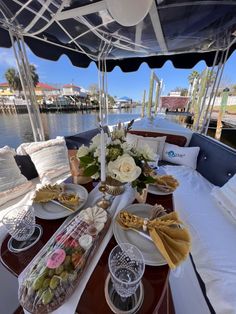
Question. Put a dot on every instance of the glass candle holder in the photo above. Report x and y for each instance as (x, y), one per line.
(126, 266)
(20, 222)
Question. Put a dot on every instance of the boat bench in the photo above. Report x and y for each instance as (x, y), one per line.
(216, 161)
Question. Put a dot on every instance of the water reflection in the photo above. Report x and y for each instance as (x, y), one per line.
(16, 129)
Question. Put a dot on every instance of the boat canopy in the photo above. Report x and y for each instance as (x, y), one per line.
(132, 31)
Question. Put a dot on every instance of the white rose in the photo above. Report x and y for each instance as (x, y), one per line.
(118, 133)
(82, 151)
(115, 142)
(124, 169)
(96, 140)
(147, 152)
(126, 147)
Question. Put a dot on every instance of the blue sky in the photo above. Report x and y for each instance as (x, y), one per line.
(119, 83)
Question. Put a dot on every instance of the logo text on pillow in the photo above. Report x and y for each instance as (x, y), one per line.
(172, 154)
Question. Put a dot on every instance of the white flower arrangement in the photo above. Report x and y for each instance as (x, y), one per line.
(124, 162)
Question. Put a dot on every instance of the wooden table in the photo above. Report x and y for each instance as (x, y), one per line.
(157, 296)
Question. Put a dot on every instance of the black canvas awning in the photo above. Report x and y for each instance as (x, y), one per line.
(183, 32)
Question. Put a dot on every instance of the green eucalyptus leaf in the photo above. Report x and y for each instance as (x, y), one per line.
(90, 170)
(86, 159)
(149, 179)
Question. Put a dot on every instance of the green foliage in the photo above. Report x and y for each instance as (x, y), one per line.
(114, 152)
(194, 74)
(183, 91)
(86, 159)
(13, 78)
(91, 170)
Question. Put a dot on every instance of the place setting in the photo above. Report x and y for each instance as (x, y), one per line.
(147, 236)
(59, 201)
(162, 183)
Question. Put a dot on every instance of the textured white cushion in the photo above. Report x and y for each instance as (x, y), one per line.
(185, 156)
(12, 182)
(156, 144)
(226, 196)
(50, 159)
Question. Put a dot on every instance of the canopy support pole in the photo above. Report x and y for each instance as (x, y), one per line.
(27, 85)
(212, 92)
(221, 70)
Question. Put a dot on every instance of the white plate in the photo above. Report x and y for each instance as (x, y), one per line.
(153, 189)
(150, 252)
(52, 211)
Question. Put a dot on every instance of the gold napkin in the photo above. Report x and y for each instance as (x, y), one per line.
(166, 183)
(167, 233)
(47, 193)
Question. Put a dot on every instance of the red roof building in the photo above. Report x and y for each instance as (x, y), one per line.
(174, 102)
(45, 86)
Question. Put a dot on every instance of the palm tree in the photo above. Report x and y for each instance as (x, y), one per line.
(34, 75)
(13, 78)
(192, 76)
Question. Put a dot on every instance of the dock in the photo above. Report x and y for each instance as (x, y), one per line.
(20, 106)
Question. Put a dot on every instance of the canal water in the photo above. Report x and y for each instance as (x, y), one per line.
(16, 129)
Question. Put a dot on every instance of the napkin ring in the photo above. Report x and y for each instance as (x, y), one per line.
(145, 222)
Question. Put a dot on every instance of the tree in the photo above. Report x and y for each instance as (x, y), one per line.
(34, 75)
(93, 89)
(183, 91)
(111, 100)
(233, 88)
(13, 78)
(192, 76)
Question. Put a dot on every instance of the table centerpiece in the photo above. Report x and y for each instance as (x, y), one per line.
(125, 163)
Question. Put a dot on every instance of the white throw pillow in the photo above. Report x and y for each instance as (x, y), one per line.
(12, 182)
(156, 144)
(186, 156)
(50, 159)
(226, 196)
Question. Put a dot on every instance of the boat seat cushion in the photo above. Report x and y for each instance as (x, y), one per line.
(213, 236)
(216, 161)
(12, 182)
(50, 159)
(75, 141)
(170, 138)
(156, 144)
(26, 166)
(186, 156)
(226, 196)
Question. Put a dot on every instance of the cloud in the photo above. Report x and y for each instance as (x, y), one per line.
(7, 58)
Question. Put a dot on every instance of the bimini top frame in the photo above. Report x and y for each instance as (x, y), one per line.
(184, 32)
